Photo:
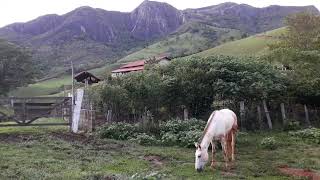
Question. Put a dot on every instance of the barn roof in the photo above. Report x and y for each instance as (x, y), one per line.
(82, 76)
(129, 69)
(134, 64)
(138, 65)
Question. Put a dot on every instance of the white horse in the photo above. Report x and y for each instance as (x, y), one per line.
(222, 125)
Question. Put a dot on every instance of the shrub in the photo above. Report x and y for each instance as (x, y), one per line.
(119, 131)
(145, 139)
(310, 134)
(242, 138)
(187, 138)
(173, 132)
(292, 125)
(178, 125)
(269, 143)
(169, 139)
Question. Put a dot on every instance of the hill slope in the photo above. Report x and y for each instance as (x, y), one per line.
(189, 39)
(251, 46)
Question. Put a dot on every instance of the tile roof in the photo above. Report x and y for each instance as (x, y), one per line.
(134, 64)
(129, 69)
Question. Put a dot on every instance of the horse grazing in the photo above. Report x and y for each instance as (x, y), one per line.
(222, 125)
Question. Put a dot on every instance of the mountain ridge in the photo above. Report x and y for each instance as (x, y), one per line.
(90, 36)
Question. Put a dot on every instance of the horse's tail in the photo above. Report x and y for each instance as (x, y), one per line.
(229, 143)
(235, 123)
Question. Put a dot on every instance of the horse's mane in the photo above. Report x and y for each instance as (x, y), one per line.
(207, 126)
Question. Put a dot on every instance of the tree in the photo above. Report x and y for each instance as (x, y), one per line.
(303, 32)
(16, 68)
(192, 83)
(299, 49)
(244, 35)
(196, 82)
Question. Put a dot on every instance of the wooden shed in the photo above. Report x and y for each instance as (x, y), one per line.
(86, 77)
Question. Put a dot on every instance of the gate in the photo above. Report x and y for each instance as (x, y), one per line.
(25, 111)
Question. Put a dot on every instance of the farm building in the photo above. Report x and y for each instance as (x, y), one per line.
(140, 65)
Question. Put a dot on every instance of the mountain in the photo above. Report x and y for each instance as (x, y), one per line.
(153, 19)
(244, 17)
(93, 37)
(89, 36)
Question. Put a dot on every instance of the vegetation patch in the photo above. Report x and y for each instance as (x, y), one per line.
(54, 153)
(310, 135)
(174, 132)
(269, 143)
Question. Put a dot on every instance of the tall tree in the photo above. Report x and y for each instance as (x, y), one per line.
(300, 50)
(303, 32)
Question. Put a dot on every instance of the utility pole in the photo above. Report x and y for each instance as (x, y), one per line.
(72, 85)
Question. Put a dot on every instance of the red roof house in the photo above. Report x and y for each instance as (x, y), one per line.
(138, 65)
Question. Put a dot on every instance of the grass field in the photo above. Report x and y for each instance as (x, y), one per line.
(47, 87)
(252, 46)
(54, 153)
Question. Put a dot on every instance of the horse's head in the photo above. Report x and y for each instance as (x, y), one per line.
(201, 157)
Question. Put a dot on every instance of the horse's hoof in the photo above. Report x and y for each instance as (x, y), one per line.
(232, 165)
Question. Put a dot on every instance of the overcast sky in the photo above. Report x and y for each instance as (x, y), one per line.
(24, 10)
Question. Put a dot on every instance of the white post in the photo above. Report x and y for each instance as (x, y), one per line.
(72, 99)
(242, 115)
(185, 114)
(307, 115)
(283, 113)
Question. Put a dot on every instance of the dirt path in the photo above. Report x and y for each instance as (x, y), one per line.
(299, 172)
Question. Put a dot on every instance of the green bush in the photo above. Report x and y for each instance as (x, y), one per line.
(310, 134)
(242, 138)
(178, 125)
(292, 125)
(187, 138)
(169, 139)
(119, 131)
(145, 139)
(173, 132)
(269, 143)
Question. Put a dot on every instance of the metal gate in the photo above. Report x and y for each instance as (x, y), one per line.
(25, 111)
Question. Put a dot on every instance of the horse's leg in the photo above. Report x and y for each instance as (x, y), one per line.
(213, 153)
(233, 144)
(225, 151)
(229, 145)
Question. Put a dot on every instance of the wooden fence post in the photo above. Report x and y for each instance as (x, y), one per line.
(185, 114)
(242, 114)
(267, 114)
(307, 115)
(109, 116)
(283, 113)
(259, 117)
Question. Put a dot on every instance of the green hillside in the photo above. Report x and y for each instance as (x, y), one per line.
(251, 46)
(55, 85)
(189, 39)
